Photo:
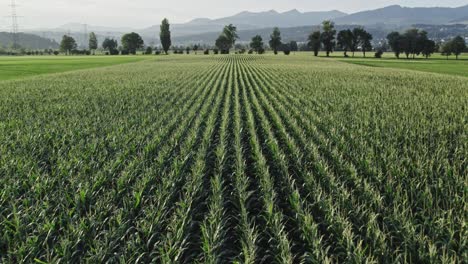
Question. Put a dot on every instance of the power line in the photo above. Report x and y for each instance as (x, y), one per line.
(85, 27)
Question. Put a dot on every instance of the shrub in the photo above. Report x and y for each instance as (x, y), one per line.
(149, 51)
(215, 51)
(250, 51)
(206, 52)
(378, 54)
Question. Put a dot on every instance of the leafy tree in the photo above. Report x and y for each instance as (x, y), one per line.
(230, 31)
(223, 43)
(365, 40)
(458, 46)
(68, 44)
(446, 49)
(286, 49)
(227, 39)
(315, 42)
(355, 39)
(345, 40)
(93, 42)
(187, 50)
(110, 45)
(412, 38)
(257, 43)
(165, 35)
(429, 47)
(195, 48)
(412, 42)
(395, 42)
(293, 46)
(131, 42)
(275, 40)
(328, 36)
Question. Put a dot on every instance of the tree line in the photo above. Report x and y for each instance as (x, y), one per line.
(415, 42)
(411, 43)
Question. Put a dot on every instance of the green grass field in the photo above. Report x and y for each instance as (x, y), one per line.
(238, 158)
(436, 64)
(21, 67)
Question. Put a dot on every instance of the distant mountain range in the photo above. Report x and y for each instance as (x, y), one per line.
(397, 15)
(390, 18)
(249, 20)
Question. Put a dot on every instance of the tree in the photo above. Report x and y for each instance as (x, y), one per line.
(275, 40)
(395, 42)
(257, 43)
(223, 43)
(111, 45)
(429, 47)
(286, 49)
(68, 44)
(131, 42)
(227, 39)
(345, 40)
(230, 31)
(412, 38)
(458, 46)
(355, 39)
(446, 49)
(165, 35)
(195, 48)
(293, 46)
(93, 42)
(315, 42)
(328, 36)
(365, 41)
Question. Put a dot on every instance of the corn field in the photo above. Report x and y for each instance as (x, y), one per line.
(234, 159)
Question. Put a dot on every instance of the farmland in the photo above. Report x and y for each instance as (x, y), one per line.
(246, 158)
(437, 64)
(21, 67)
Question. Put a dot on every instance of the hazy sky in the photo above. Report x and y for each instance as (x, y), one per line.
(144, 13)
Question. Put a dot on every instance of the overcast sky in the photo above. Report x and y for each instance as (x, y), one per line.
(144, 13)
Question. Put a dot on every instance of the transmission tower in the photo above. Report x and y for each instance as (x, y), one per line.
(14, 25)
(85, 28)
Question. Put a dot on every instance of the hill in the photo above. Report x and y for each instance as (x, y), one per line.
(248, 20)
(398, 15)
(28, 41)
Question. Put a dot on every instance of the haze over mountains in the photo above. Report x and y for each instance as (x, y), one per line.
(394, 15)
(397, 15)
(391, 17)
